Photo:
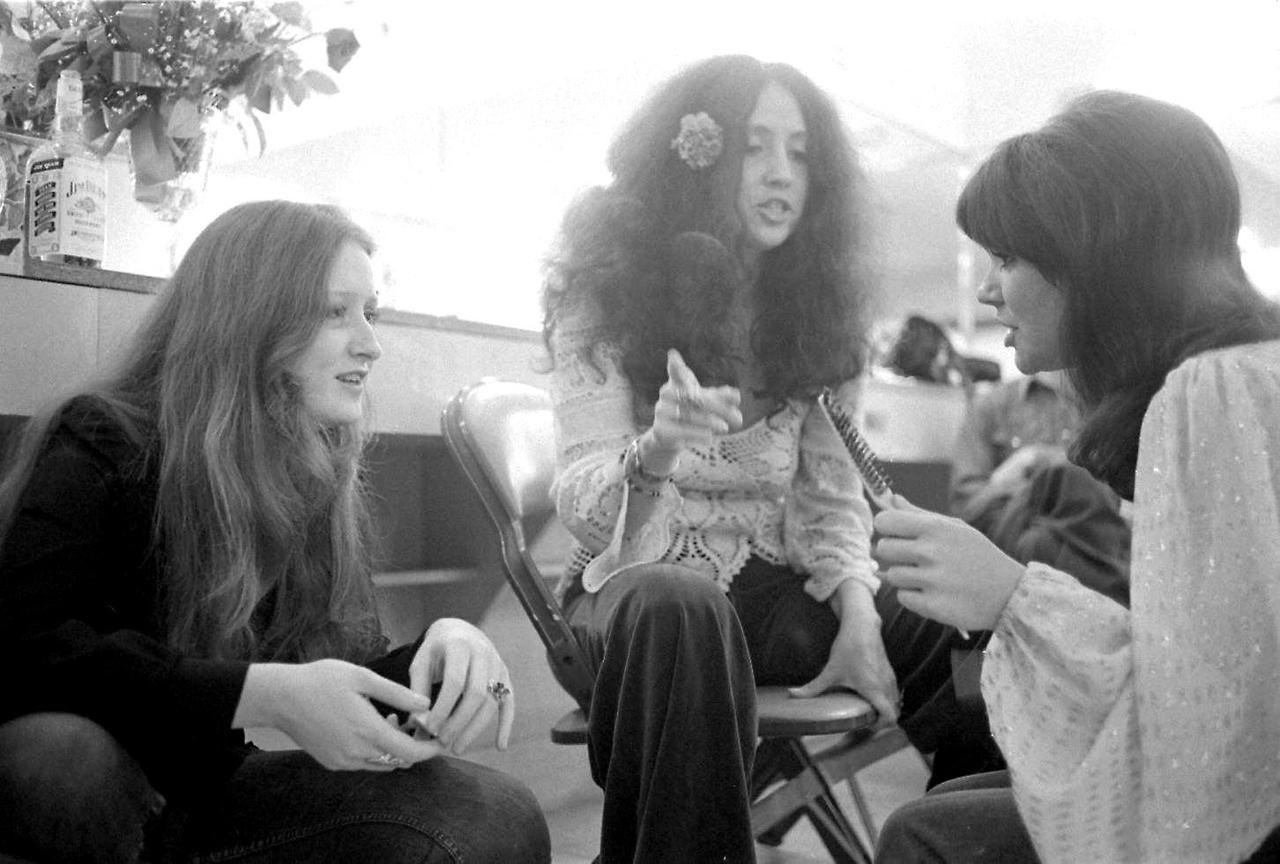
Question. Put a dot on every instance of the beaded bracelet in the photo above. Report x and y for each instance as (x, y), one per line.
(638, 478)
(647, 491)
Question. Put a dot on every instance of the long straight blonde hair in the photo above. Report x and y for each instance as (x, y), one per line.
(261, 522)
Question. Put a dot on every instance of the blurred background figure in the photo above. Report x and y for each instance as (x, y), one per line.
(1011, 480)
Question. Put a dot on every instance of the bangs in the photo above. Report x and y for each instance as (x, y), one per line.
(998, 207)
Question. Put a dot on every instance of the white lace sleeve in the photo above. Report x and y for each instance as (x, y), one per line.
(594, 423)
(1155, 736)
(828, 519)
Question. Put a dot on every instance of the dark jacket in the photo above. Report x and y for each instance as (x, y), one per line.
(80, 615)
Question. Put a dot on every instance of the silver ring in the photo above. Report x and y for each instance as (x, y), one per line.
(498, 690)
(387, 759)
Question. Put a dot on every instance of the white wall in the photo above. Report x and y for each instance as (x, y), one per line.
(54, 337)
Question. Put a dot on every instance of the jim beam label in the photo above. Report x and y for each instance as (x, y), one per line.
(68, 208)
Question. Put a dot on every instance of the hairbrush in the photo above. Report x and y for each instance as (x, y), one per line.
(874, 478)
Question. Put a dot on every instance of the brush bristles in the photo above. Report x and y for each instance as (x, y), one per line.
(863, 456)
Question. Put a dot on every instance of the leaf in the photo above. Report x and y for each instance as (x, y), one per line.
(66, 43)
(16, 57)
(297, 92)
(262, 133)
(291, 13)
(341, 45)
(43, 41)
(319, 82)
(97, 43)
(260, 98)
(184, 119)
(149, 147)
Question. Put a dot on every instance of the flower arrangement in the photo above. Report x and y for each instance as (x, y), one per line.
(160, 69)
(700, 141)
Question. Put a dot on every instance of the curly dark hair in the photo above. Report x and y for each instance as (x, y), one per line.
(1130, 207)
(655, 254)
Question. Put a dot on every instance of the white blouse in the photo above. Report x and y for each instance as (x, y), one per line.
(1154, 734)
(783, 489)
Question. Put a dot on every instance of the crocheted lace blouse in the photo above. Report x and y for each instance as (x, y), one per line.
(783, 489)
(1154, 734)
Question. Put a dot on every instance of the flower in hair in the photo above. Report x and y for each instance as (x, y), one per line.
(700, 142)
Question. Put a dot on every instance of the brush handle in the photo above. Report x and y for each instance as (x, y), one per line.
(874, 480)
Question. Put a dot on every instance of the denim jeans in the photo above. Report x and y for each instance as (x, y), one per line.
(71, 793)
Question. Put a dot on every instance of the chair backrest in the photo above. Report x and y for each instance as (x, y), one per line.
(502, 435)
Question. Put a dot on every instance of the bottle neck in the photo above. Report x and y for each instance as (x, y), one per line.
(68, 114)
(68, 130)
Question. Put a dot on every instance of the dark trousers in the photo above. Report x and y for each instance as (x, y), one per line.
(966, 821)
(974, 820)
(672, 716)
(70, 792)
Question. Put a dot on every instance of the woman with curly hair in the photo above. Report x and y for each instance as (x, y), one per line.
(695, 308)
(184, 554)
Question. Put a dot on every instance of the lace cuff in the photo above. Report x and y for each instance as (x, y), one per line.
(639, 538)
(823, 583)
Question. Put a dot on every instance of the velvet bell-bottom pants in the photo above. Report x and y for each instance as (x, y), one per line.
(672, 722)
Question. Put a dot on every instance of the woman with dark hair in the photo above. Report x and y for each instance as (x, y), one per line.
(695, 308)
(1151, 734)
(184, 553)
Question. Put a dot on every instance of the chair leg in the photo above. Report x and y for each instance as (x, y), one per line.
(864, 812)
(805, 786)
(774, 763)
(833, 827)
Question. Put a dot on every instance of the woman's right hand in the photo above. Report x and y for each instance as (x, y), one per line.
(324, 707)
(686, 415)
(944, 568)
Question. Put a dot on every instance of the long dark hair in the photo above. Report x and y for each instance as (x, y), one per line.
(653, 257)
(254, 498)
(1130, 207)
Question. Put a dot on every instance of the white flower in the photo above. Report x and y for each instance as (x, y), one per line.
(700, 142)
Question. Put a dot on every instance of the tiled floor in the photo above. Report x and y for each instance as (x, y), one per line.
(560, 777)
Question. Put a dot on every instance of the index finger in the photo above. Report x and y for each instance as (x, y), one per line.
(506, 718)
(904, 522)
(680, 373)
(453, 680)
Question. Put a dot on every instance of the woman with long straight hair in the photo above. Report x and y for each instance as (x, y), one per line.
(185, 553)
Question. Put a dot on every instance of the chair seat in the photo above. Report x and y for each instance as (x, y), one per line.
(778, 715)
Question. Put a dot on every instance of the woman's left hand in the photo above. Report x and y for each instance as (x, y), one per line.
(944, 568)
(475, 684)
(857, 660)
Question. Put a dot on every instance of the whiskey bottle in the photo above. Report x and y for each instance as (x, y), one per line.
(67, 187)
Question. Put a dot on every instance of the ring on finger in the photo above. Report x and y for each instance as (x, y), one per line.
(498, 690)
(388, 760)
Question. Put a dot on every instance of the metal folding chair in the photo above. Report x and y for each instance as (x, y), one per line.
(502, 436)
